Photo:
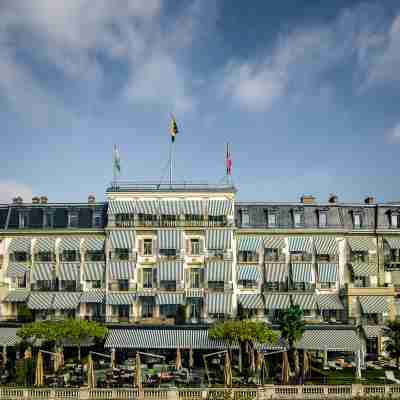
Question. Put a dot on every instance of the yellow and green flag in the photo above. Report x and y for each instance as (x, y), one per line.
(173, 128)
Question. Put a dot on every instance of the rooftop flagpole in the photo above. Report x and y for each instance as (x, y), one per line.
(173, 130)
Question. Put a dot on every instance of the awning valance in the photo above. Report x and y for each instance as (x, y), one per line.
(22, 244)
(69, 243)
(249, 273)
(373, 331)
(170, 207)
(302, 272)
(66, 300)
(122, 239)
(364, 269)
(121, 270)
(274, 242)
(373, 304)
(219, 303)
(148, 207)
(249, 243)
(251, 301)
(17, 269)
(218, 239)
(93, 296)
(219, 271)
(305, 301)
(393, 242)
(45, 244)
(121, 207)
(218, 207)
(120, 298)
(69, 271)
(329, 302)
(275, 301)
(364, 243)
(339, 340)
(300, 244)
(42, 271)
(40, 300)
(328, 272)
(93, 271)
(169, 298)
(93, 243)
(193, 207)
(17, 296)
(170, 239)
(276, 272)
(8, 337)
(326, 245)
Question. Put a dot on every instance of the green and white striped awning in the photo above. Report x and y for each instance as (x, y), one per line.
(276, 272)
(329, 302)
(121, 207)
(364, 269)
(373, 304)
(328, 272)
(301, 272)
(306, 301)
(169, 298)
(42, 271)
(193, 207)
(69, 271)
(17, 296)
(274, 242)
(66, 300)
(93, 296)
(219, 303)
(170, 207)
(17, 269)
(120, 298)
(218, 239)
(275, 301)
(249, 273)
(167, 338)
(148, 207)
(121, 270)
(8, 337)
(249, 243)
(45, 244)
(329, 339)
(300, 244)
(326, 245)
(218, 207)
(393, 242)
(170, 239)
(170, 270)
(122, 239)
(373, 331)
(40, 300)
(93, 271)
(361, 243)
(69, 243)
(93, 243)
(251, 301)
(219, 271)
(22, 244)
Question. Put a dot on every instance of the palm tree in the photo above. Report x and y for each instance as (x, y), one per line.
(291, 325)
(392, 331)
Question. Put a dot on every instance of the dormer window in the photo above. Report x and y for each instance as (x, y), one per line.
(23, 219)
(297, 219)
(73, 219)
(245, 218)
(97, 219)
(356, 220)
(272, 220)
(394, 220)
(47, 220)
(322, 219)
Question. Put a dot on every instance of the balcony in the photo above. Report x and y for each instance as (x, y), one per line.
(353, 290)
(299, 227)
(194, 292)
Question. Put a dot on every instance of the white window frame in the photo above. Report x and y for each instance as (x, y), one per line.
(394, 220)
(244, 213)
(71, 216)
(297, 219)
(272, 219)
(322, 219)
(357, 220)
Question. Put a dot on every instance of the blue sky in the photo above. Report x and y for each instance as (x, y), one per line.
(306, 92)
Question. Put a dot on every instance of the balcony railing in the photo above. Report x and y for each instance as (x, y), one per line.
(170, 224)
(264, 225)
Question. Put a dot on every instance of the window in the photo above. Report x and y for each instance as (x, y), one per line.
(322, 219)
(68, 286)
(361, 281)
(394, 255)
(23, 220)
(147, 219)
(298, 256)
(20, 256)
(194, 220)
(195, 279)
(168, 220)
(245, 218)
(123, 284)
(216, 284)
(216, 253)
(97, 219)
(195, 247)
(272, 220)
(148, 247)
(96, 284)
(168, 285)
(44, 286)
(95, 255)
(70, 255)
(248, 256)
(359, 256)
(48, 220)
(121, 254)
(124, 220)
(44, 256)
(168, 310)
(394, 221)
(168, 252)
(356, 220)
(147, 308)
(21, 282)
(297, 219)
(73, 219)
(148, 278)
(323, 257)
(217, 220)
(195, 310)
(248, 284)
(271, 254)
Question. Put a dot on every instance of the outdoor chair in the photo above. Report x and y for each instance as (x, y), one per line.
(390, 376)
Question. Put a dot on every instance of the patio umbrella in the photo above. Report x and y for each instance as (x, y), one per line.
(358, 364)
(178, 362)
(227, 371)
(285, 368)
(112, 358)
(252, 361)
(28, 353)
(138, 374)
(90, 372)
(39, 373)
(264, 369)
(306, 364)
(56, 357)
(61, 357)
(191, 361)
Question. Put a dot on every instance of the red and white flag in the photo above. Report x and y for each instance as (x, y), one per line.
(228, 160)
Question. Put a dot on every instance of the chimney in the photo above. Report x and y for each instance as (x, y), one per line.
(35, 200)
(332, 198)
(43, 199)
(307, 199)
(369, 200)
(91, 199)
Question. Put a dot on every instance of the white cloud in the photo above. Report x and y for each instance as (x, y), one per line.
(393, 134)
(10, 189)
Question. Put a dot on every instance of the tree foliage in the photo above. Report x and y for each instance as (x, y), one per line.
(291, 325)
(392, 331)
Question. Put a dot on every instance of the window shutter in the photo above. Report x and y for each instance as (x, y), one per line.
(153, 247)
(188, 247)
(201, 246)
(155, 276)
(202, 276)
(187, 277)
(141, 246)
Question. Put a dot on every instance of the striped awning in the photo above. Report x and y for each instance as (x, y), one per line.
(170, 239)
(306, 301)
(249, 273)
(193, 207)
(69, 271)
(42, 271)
(251, 301)
(218, 207)
(69, 243)
(326, 245)
(40, 300)
(170, 207)
(120, 298)
(364, 269)
(274, 242)
(168, 338)
(393, 242)
(45, 244)
(219, 303)
(17, 296)
(275, 301)
(219, 271)
(122, 239)
(300, 244)
(121, 207)
(329, 302)
(66, 300)
(301, 272)
(17, 269)
(373, 331)
(121, 270)
(339, 340)
(170, 270)
(93, 243)
(328, 272)
(93, 296)
(218, 239)
(169, 298)
(361, 243)
(373, 304)
(249, 243)
(149, 207)
(8, 337)
(93, 271)
(276, 272)
(22, 244)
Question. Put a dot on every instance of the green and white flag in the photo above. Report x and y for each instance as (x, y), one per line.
(116, 160)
